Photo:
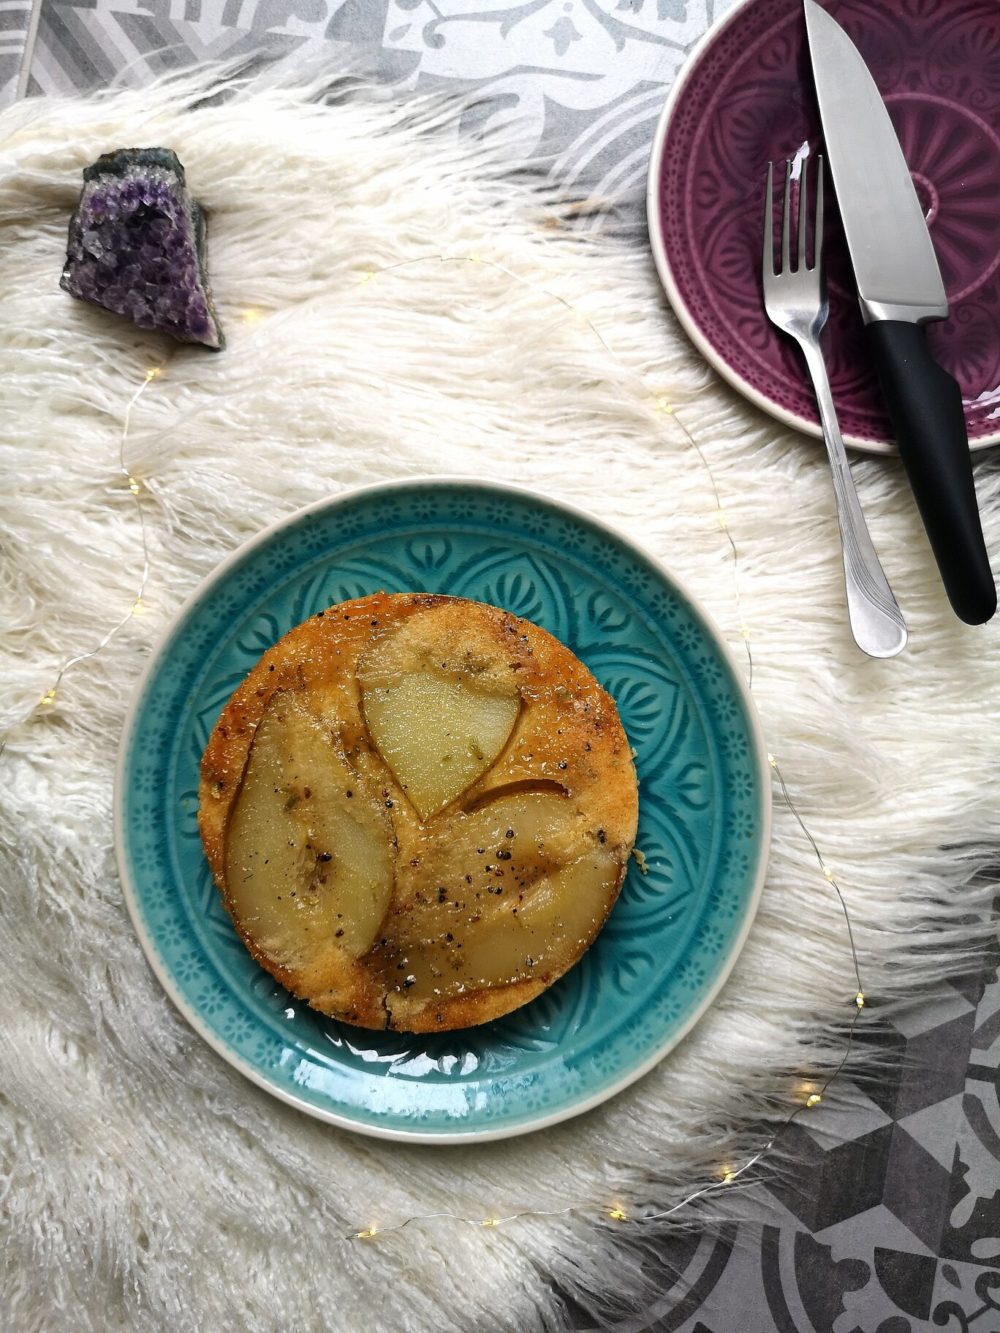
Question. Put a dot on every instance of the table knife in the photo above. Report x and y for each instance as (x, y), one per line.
(900, 288)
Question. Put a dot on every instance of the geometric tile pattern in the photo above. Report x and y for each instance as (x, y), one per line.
(893, 1224)
(15, 21)
(891, 1229)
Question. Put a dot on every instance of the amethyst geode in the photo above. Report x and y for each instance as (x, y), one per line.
(137, 246)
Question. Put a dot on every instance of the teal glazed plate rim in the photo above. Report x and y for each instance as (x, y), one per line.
(704, 811)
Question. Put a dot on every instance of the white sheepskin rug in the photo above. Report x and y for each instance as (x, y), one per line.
(143, 1182)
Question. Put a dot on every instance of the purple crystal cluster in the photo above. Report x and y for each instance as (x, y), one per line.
(137, 246)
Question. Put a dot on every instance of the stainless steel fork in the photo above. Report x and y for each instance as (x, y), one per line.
(795, 301)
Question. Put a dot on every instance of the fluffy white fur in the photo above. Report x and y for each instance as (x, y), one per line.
(144, 1183)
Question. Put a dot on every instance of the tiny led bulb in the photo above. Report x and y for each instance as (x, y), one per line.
(618, 1214)
(134, 485)
(138, 607)
(729, 1177)
(859, 999)
(491, 1221)
(367, 1233)
(828, 873)
(813, 1099)
(49, 697)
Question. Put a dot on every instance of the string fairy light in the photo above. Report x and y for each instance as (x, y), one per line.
(137, 607)
(808, 1094)
(489, 1222)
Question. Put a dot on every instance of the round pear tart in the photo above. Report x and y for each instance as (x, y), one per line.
(419, 810)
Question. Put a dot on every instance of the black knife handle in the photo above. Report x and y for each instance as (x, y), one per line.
(925, 405)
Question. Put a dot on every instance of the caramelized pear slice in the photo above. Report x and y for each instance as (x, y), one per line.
(539, 889)
(440, 706)
(309, 858)
(438, 733)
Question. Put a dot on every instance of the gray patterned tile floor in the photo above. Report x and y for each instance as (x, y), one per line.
(15, 22)
(895, 1224)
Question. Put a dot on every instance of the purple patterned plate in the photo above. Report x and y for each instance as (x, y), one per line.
(746, 97)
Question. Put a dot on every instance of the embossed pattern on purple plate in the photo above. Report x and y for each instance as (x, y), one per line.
(747, 97)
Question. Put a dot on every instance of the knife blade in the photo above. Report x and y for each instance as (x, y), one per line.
(900, 289)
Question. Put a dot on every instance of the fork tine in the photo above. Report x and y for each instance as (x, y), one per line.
(818, 229)
(769, 223)
(802, 261)
(786, 221)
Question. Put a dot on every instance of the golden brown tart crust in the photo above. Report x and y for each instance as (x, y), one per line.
(564, 777)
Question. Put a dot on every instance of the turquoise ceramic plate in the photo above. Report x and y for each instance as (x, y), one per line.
(703, 824)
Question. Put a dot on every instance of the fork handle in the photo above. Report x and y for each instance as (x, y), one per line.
(925, 405)
(876, 620)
